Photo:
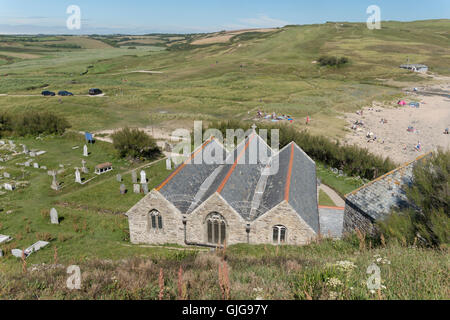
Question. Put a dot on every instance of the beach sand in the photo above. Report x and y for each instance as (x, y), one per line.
(393, 139)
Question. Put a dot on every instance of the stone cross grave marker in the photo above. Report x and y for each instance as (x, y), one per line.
(84, 169)
(54, 216)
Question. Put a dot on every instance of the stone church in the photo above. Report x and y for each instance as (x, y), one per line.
(210, 203)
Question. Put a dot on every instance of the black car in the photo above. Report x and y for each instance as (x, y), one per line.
(95, 91)
(65, 93)
(48, 93)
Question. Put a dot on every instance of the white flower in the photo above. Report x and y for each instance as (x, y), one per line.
(334, 282)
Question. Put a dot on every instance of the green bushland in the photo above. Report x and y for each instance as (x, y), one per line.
(135, 144)
(430, 222)
(32, 123)
(353, 160)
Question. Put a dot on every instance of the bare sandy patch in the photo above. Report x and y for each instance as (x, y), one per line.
(426, 125)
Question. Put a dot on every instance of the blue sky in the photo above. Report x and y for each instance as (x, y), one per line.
(177, 16)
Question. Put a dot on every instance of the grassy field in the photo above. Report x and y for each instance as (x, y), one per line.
(271, 71)
(208, 83)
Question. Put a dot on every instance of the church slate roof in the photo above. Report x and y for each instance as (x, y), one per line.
(380, 196)
(243, 180)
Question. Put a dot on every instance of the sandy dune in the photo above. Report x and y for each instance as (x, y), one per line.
(393, 139)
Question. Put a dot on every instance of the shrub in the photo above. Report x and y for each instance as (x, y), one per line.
(430, 193)
(332, 61)
(32, 123)
(135, 144)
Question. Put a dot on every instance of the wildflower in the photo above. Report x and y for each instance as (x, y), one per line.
(334, 282)
(345, 265)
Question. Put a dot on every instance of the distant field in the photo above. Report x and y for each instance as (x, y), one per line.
(270, 71)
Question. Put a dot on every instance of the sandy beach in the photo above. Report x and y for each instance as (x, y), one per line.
(426, 124)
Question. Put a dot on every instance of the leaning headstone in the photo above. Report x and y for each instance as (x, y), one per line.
(123, 189)
(77, 176)
(16, 253)
(4, 239)
(35, 247)
(169, 164)
(85, 151)
(119, 178)
(134, 176)
(54, 216)
(143, 177)
(145, 188)
(137, 188)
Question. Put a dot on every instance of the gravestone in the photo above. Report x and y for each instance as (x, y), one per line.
(1, 253)
(134, 176)
(55, 184)
(16, 253)
(9, 187)
(123, 189)
(84, 169)
(145, 188)
(143, 177)
(6, 175)
(169, 164)
(77, 176)
(25, 149)
(119, 178)
(27, 164)
(36, 165)
(137, 188)
(54, 216)
(85, 151)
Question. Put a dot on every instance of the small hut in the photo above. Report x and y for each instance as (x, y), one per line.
(103, 168)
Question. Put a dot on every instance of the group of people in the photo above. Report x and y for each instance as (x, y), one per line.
(273, 116)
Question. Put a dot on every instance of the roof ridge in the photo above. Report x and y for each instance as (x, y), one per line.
(230, 172)
(289, 174)
(388, 174)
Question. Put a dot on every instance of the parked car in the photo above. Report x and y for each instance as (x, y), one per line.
(65, 93)
(95, 92)
(48, 93)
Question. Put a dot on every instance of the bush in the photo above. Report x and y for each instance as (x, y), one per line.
(430, 223)
(135, 144)
(332, 61)
(352, 160)
(32, 123)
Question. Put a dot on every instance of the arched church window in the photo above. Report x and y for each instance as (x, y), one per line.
(216, 229)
